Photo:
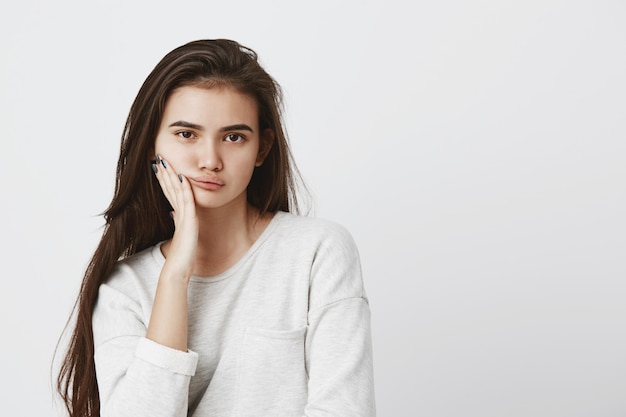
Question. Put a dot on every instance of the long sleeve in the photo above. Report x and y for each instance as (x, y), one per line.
(136, 376)
(338, 342)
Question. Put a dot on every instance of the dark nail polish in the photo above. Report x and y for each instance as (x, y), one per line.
(158, 159)
(180, 177)
(154, 168)
(163, 163)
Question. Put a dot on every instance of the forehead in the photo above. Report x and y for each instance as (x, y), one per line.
(219, 106)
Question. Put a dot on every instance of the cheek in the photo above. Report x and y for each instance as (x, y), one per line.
(169, 151)
(159, 146)
(244, 166)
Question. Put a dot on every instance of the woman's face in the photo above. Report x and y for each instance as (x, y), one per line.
(211, 136)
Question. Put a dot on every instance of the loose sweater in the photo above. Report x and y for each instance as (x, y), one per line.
(285, 332)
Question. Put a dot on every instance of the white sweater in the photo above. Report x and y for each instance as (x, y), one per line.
(285, 332)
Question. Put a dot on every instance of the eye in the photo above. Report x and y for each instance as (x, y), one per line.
(234, 137)
(186, 134)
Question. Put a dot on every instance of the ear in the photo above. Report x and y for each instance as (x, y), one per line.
(265, 144)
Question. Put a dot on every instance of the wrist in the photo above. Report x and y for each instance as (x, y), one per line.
(175, 274)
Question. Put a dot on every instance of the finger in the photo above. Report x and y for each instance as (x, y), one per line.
(159, 172)
(170, 184)
(178, 191)
(186, 191)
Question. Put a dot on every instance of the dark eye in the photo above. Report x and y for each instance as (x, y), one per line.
(234, 137)
(186, 134)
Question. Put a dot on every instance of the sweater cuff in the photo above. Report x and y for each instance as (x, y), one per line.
(167, 358)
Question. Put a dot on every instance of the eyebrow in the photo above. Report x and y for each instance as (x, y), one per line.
(182, 123)
(240, 126)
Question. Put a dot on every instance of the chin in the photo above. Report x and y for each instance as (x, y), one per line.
(212, 204)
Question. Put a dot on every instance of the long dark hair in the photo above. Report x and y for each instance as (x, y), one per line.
(138, 216)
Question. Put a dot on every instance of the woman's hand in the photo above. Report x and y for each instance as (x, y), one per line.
(181, 255)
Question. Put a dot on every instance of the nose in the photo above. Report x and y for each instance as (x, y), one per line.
(210, 156)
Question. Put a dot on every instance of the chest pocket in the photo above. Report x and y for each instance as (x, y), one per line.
(272, 376)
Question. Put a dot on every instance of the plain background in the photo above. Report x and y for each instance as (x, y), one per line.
(475, 149)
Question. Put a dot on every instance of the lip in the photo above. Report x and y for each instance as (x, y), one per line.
(208, 183)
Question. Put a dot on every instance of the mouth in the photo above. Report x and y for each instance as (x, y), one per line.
(211, 184)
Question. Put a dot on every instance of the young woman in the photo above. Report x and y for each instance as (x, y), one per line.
(208, 294)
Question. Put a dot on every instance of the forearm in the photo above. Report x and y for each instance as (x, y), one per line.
(168, 321)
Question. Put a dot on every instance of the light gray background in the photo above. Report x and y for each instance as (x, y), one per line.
(475, 149)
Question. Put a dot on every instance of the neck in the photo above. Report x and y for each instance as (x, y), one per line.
(225, 235)
(221, 226)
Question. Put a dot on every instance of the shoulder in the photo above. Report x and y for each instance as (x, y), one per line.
(125, 297)
(137, 274)
(142, 263)
(313, 230)
(335, 270)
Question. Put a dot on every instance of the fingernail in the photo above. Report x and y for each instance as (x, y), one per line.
(158, 159)
(163, 163)
(154, 168)
(180, 177)
(171, 214)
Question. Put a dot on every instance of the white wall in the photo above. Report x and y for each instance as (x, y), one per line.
(475, 149)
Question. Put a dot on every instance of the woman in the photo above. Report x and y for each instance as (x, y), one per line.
(207, 295)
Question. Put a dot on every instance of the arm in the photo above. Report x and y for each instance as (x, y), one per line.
(150, 375)
(339, 361)
(338, 342)
(168, 323)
